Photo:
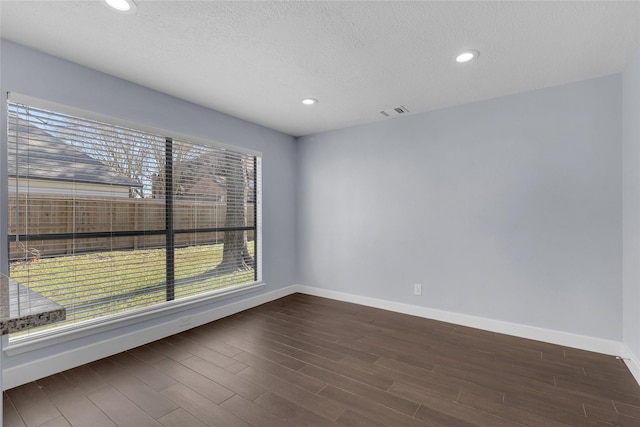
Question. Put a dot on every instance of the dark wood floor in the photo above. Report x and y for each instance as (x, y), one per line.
(308, 361)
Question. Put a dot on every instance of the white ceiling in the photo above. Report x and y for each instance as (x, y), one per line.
(257, 60)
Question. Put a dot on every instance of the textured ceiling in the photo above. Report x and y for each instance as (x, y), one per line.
(256, 60)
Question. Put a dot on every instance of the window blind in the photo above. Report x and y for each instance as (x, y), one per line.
(107, 220)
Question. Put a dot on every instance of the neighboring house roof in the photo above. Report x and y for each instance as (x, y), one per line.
(51, 158)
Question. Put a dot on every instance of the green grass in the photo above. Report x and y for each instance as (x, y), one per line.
(99, 284)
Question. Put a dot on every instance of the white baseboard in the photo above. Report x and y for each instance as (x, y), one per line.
(40, 368)
(27, 372)
(582, 342)
(632, 362)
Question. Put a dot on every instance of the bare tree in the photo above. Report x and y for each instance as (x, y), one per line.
(141, 157)
(193, 165)
(235, 255)
(127, 153)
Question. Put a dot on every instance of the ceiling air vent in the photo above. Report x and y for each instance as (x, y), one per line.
(395, 111)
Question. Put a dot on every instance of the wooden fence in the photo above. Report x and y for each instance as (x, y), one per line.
(48, 214)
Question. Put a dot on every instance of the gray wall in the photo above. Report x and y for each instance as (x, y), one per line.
(32, 73)
(509, 209)
(631, 206)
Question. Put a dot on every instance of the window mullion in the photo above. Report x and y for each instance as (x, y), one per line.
(170, 249)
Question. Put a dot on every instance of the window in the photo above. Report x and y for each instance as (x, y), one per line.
(110, 221)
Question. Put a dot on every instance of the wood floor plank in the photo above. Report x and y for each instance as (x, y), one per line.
(79, 410)
(369, 409)
(279, 324)
(303, 360)
(146, 354)
(212, 342)
(304, 345)
(85, 378)
(554, 407)
(180, 418)
(33, 405)
(288, 375)
(225, 362)
(280, 356)
(598, 388)
(148, 399)
(354, 419)
(431, 382)
(226, 379)
(490, 379)
(58, 422)
(442, 418)
(202, 408)
(290, 411)
(297, 339)
(297, 395)
(121, 410)
(55, 384)
(145, 372)
(417, 394)
(393, 352)
(164, 347)
(378, 381)
(255, 415)
(497, 407)
(106, 368)
(626, 409)
(11, 416)
(445, 412)
(197, 382)
(608, 417)
(381, 397)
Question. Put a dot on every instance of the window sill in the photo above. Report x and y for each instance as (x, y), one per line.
(63, 334)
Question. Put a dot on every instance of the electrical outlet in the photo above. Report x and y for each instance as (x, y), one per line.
(417, 289)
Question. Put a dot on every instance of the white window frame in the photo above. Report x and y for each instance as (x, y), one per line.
(46, 338)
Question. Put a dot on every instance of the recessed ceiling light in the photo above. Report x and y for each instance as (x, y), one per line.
(309, 101)
(122, 6)
(467, 55)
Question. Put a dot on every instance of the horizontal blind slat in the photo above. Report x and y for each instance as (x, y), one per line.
(87, 214)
